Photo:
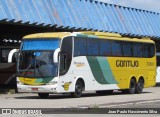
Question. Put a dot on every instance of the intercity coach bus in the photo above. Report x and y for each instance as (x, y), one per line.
(64, 62)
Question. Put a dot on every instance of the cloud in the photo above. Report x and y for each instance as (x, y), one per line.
(151, 5)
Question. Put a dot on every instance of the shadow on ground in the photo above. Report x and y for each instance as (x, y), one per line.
(68, 96)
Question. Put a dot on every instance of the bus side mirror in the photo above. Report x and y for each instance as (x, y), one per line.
(55, 55)
(11, 53)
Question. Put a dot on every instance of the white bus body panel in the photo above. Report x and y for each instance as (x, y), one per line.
(79, 68)
(158, 75)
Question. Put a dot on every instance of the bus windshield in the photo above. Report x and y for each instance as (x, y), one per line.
(36, 64)
(36, 58)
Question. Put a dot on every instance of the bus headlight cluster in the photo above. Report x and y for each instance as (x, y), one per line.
(20, 83)
(52, 83)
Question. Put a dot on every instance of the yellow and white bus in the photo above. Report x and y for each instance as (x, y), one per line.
(64, 62)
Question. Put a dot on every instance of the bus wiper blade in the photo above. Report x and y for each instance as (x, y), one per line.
(41, 74)
(26, 68)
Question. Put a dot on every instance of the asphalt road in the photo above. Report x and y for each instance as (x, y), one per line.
(150, 98)
(89, 99)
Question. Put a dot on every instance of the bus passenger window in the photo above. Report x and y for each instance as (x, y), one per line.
(105, 48)
(92, 47)
(146, 50)
(127, 49)
(79, 47)
(137, 49)
(151, 50)
(116, 48)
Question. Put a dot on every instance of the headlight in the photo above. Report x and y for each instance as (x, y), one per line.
(20, 83)
(52, 83)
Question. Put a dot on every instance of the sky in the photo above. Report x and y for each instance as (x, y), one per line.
(151, 5)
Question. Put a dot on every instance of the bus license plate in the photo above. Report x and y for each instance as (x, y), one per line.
(34, 89)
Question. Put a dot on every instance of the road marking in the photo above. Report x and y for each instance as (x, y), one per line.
(151, 101)
(114, 105)
(120, 104)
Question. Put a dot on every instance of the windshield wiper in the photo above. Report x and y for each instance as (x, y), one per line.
(41, 74)
(24, 69)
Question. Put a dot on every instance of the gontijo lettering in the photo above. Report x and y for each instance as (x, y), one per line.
(127, 63)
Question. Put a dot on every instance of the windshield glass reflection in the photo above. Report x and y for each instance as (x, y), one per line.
(36, 64)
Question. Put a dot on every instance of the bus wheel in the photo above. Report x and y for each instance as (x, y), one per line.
(132, 87)
(140, 86)
(43, 95)
(78, 90)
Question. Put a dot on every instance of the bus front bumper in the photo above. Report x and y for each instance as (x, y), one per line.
(37, 89)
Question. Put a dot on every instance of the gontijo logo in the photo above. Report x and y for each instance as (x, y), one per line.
(79, 64)
(127, 63)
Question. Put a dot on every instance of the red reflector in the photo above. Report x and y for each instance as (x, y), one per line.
(34, 89)
(28, 73)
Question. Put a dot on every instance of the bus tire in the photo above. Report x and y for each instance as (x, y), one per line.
(78, 90)
(43, 95)
(139, 86)
(132, 86)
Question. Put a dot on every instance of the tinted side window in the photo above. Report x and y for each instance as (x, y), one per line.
(151, 50)
(137, 50)
(148, 50)
(80, 47)
(127, 49)
(105, 48)
(92, 47)
(116, 48)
